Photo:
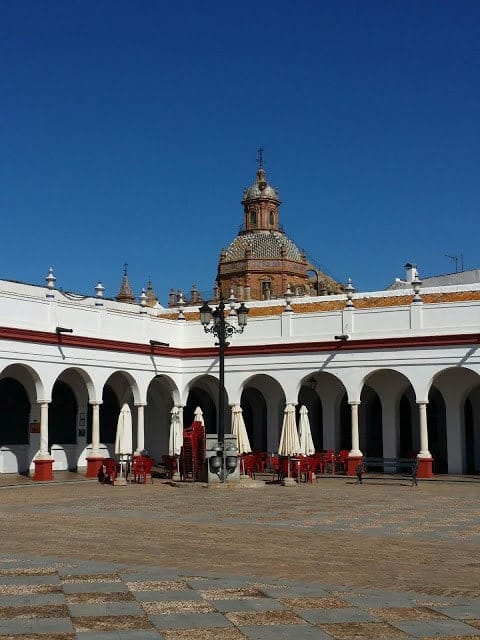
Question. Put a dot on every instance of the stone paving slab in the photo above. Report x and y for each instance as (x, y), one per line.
(205, 608)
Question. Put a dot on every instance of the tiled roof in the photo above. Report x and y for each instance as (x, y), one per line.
(264, 244)
(125, 294)
(319, 304)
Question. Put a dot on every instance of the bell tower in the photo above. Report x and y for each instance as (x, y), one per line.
(261, 203)
(262, 261)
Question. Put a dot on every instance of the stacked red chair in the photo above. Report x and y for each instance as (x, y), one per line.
(192, 456)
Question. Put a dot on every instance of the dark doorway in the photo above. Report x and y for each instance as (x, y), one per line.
(62, 415)
(345, 424)
(469, 439)
(255, 416)
(372, 428)
(200, 398)
(406, 441)
(437, 431)
(311, 400)
(14, 412)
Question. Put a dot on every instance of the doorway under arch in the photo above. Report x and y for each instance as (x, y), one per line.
(311, 400)
(62, 415)
(371, 436)
(14, 412)
(437, 430)
(255, 417)
(199, 397)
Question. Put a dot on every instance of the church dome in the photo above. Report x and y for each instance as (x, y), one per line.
(260, 189)
(271, 245)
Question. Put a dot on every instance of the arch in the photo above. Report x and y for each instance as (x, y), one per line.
(454, 439)
(19, 406)
(387, 418)
(459, 376)
(29, 378)
(307, 396)
(118, 389)
(203, 392)
(263, 402)
(254, 409)
(162, 394)
(80, 382)
(326, 399)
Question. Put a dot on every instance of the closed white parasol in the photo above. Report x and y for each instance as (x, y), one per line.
(198, 416)
(124, 439)
(289, 442)
(124, 435)
(175, 443)
(307, 447)
(239, 429)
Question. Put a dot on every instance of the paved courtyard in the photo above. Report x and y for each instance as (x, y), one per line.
(332, 560)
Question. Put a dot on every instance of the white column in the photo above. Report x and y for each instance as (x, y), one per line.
(95, 430)
(43, 453)
(424, 452)
(140, 428)
(355, 436)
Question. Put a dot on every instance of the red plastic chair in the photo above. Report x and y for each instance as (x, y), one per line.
(273, 465)
(145, 470)
(307, 470)
(171, 465)
(248, 464)
(260, 461)
(318, 462)
(109, 471)
(342, 460)
(284, 464)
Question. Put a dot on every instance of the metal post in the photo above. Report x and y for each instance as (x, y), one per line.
(221, 330)
(221, 384)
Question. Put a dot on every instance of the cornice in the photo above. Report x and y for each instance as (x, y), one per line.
(83, 342)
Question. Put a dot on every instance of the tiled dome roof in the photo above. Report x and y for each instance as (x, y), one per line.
(260, 189)
(263, 244)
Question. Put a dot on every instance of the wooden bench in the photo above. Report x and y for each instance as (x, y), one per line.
(393, 468)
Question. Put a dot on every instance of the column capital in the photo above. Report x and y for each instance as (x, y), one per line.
(354, 402)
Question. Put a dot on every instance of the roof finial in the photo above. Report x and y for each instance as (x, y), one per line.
(125, 267)
(260, 157)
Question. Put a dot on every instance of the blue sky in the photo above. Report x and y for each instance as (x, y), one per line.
(129, 131)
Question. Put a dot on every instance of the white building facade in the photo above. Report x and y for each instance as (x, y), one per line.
(383, 374)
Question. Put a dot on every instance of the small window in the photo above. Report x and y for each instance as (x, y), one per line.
(272, 217)
(253, 217)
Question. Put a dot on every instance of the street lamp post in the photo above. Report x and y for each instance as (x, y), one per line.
(214, 322)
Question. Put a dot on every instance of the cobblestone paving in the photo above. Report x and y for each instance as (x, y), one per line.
(51, 598)
(330, 561)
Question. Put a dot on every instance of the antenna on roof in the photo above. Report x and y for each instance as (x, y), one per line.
(456, 260)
